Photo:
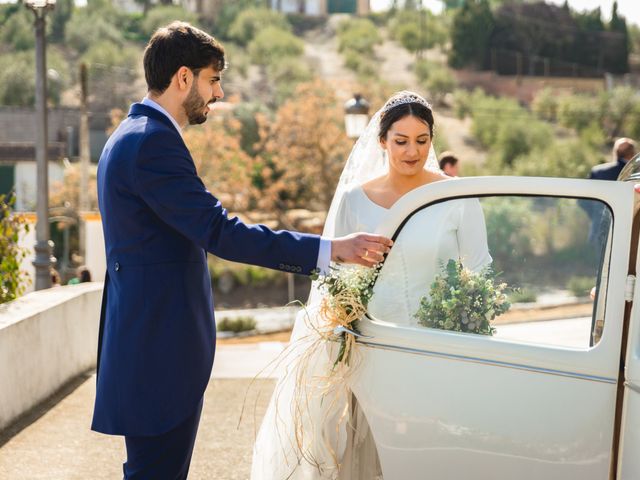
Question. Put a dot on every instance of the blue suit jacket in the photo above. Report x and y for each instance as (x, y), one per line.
(157, 332)
(608, 171)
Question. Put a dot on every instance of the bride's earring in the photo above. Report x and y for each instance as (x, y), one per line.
(384, 156)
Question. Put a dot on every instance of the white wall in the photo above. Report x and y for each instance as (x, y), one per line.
(312, 7)
(95, 259)
(26, 183)
(46, 339)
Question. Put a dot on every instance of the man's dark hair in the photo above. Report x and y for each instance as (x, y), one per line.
(179, 44)
(447, 158)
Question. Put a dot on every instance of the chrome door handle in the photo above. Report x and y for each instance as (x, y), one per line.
(340, 329)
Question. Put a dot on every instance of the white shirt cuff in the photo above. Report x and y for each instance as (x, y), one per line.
(324, 255)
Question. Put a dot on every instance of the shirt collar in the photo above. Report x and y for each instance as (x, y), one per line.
(150, 103)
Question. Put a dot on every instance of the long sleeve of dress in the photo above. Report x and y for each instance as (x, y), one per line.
(345, 221)
(472, 236)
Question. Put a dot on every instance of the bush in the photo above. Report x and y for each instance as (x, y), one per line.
(439, 83)
(17, 32)
(236, 325)
(246, 275)
(415, 33)
(17, 78)
(581, 286)
(272, 44)
(302, 23)
(561, 158)
(545, 105)
(363, 66)
(578, 111)
(506, 230)
(12, 279)
(85, 30)
(519, 137)
(112, 74)
(108, 56)
(359, 35)
(286, 74)
(163, 15)
(250, 22)
(523, 295)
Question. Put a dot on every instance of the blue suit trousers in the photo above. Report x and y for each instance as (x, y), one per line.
(163, 457)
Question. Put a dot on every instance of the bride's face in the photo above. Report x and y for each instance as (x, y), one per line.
(407, 144)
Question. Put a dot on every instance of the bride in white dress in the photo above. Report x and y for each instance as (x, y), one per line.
(304, 435)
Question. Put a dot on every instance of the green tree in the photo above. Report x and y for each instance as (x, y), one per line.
(545, 105)
(273, 44)
(86, 29)
(163, 15)
(470, 33)
(572, 158)
(17, 78)
(12, 279)
(227, 15)
(112, 73)
(286, 74)
(359, 35)
(59, 19)
(617, 59)
(579, 111)
(250, 22)
(17, 31)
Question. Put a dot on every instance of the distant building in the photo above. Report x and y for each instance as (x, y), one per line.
(18, 153)
(206, 8)
(321, 7)
(128, 6)
(211, 8)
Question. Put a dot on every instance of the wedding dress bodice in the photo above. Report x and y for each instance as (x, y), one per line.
(454, 229)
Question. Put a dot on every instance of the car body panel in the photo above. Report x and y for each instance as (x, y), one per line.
(450, 405)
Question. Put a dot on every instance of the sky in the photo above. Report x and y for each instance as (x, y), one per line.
(630, 9)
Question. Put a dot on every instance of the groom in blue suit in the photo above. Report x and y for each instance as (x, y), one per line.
(157, 332)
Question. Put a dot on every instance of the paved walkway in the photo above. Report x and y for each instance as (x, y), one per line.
(60, 446)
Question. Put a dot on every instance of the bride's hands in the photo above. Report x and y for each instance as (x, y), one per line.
(360, 248)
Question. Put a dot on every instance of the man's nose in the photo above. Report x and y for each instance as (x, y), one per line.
(219, 94)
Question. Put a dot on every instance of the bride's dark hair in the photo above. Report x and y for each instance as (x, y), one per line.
(398, 112)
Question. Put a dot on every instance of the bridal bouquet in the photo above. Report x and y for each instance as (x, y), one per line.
(463, 301)
(347, 294)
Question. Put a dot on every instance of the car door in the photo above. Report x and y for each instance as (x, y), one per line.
(537, 399)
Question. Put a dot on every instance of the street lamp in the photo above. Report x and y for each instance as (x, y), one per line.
(356, 116)
(42, 261)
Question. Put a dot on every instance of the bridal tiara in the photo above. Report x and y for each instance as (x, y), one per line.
(403, 97)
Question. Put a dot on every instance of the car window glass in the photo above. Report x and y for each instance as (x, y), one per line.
(527, 269)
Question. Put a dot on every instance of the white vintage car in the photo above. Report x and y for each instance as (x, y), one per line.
(555, 392)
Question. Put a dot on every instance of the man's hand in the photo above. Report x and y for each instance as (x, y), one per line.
(360, 248)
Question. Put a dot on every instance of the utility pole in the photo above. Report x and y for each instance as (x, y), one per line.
(85, 154)
(43, 258)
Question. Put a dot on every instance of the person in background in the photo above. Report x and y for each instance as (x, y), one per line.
(449, 164)
(82, 275)
(55, 278)
(623, 150)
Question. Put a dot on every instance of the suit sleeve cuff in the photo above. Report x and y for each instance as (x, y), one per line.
(324, 255)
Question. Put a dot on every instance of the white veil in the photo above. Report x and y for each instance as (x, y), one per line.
(290, 444)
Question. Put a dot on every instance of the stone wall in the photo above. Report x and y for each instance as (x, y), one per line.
(46, 339)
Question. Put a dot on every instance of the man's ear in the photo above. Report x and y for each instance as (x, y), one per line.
(184, 77)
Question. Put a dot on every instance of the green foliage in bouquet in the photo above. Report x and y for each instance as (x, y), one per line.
(463, 301)
(348, 291)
